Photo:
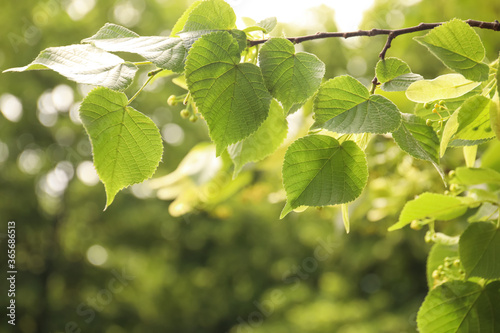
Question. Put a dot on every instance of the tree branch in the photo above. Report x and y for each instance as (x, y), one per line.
(391, 34)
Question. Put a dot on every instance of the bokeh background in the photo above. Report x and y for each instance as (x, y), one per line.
(229, 264)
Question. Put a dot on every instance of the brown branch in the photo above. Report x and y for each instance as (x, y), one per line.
(391, 34)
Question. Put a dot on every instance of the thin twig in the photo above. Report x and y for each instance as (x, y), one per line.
(495, 25)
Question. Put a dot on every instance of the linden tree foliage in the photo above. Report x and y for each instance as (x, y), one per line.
(245, 85)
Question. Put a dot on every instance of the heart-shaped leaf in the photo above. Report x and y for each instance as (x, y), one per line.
(232, 97)
(319, 171)
(459, 47)
(126, 145)
(344, 105)
(290, 77)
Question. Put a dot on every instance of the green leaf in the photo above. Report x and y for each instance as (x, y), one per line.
(84, 64)
(232, 97)
(319, 171)
(290, 77)
(164, 52)
(263, 142)
(479, 248)
(474, 176)
(126, 145)
(443, 87)
(183, 19)
(268, 24)
(436, 257)
(470, 154)
(417, 139)
(458, 46)
(210, 15)
(495, 106)
(390, 68)
(461, 306)
(344, 105)
(431, 206)
(474, 126)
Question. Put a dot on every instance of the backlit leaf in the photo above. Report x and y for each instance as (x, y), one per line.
(474, 126)
(479, 248)
(210, 15)
(344, 105)
(232, 97)
(290, 77)
(443, 87)
(319, 171)
(126, 145)
(460, 306)
(459, 47)
(431, 206)
(475, 176)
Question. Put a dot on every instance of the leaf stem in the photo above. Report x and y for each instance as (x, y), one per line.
(151, 76)
(142, 63)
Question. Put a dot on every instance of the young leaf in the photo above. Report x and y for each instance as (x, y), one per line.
(210, 15)
(268, 24)
(470, 154)
(474, 126)
(263, 142)
(443, 87)
(290, 77)
(459, 47)
(232, 97)
(460, 306)
(319, 171)
(344, 105)
(164, 52)
(479, 248)
(417, 139)
(395, 74)
(431, 206)
(390, 68)
(84, 64)
(126, 145)
(474, 176)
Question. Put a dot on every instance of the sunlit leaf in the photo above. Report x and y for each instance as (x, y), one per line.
(459, 47)
(474, 126)
(210, 15)
(183, 19)
(84, 64)
(344, 105)
(268, 24)
(479, 249)
(126, 145)
(460, 306)
(417, 139)
(290, 77)
(319, 171)
(431, 206)
(443, 87)
(395, 74)
(474, 176)
(263, 142)
(232, 97)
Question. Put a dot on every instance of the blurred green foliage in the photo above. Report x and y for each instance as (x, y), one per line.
(233, 267)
